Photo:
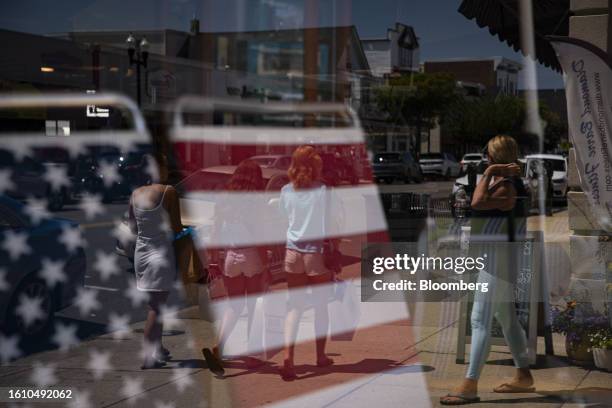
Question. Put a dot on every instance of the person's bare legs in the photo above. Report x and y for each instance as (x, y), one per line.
(517, 341)
(320, 289)
(467, 387)
(522, 378)
(236, 288)
(255, 286)
(296, 283)
(153, 328)
(292, 322)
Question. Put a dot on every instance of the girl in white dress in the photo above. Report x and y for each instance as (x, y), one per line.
(155, 215)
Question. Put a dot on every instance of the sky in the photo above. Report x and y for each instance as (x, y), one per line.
(443, 31)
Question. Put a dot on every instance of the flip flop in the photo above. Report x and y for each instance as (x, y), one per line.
(164, 354)
(325, 363)
(287, 372)
(461, 399)
(508, 388)
(213, 363)
(153, 363)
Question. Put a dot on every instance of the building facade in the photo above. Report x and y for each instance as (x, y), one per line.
(498, 75)
(397, 52)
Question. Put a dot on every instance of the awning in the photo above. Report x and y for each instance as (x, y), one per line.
(502, 17)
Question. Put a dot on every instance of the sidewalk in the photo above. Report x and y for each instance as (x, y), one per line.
(386, 369)
(398, 363)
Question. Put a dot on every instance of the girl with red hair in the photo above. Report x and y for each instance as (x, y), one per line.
(304, 202)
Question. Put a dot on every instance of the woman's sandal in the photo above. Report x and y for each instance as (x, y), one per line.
(326, 362)
(509, 388)
(458, 399)
(153, 363)
(213, 362)
(287, 371)
(165, 354)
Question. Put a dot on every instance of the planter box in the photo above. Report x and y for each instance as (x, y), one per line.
(579, 353)
(603, 358)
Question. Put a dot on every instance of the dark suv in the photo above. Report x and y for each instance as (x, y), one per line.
(391, 166)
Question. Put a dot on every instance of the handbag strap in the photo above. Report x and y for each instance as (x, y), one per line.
(326, 212)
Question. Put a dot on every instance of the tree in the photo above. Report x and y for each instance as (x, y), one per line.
(473, 121)
(555, 129)
(417, 100)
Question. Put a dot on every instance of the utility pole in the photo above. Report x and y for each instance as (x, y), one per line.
(609, 43)
(311, 50)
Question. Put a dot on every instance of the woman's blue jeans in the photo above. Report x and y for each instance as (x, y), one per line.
(496, 302)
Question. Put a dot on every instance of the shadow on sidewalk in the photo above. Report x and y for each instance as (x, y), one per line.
(365, 366)
(83, 331)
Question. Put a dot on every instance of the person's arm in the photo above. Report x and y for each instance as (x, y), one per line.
(132, 218)
(173, 207)
(501, 196)
(335, 220)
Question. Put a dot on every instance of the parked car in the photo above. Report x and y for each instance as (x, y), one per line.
(28, 178)
(476, 159)
(24, 273)
(273, 161)
(558, 164)
(439, 164)
(88, 176)
(391, 166)
(337, 170)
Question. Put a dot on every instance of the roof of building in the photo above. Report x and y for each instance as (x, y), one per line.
(497, 60)
(407, 36)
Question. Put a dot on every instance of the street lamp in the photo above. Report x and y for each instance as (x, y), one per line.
(138, 51)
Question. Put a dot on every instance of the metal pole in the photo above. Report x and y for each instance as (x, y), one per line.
(609, 46)
(311, 49)
(138, 98)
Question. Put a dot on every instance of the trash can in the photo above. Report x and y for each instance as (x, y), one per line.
(406, 215)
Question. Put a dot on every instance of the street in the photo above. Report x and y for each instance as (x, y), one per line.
(389, 364)
(113, 329)
(111, 293)
(436, 189)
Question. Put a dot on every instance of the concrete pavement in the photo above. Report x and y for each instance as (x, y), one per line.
(397, 364)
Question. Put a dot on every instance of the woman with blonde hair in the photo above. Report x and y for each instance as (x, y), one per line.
(499, 211)
(305, 202)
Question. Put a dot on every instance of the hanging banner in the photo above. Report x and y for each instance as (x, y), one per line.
(587, 72)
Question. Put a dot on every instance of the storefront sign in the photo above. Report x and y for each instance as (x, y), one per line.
(588, 87)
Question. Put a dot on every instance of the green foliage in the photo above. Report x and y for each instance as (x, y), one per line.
(475, 121)
(601, 339)
(580, 322)
(555, 130)
(417, 99)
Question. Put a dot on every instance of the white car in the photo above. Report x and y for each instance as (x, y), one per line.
(273, 161)
(439, 164)
(476, 159)
(559, 167)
